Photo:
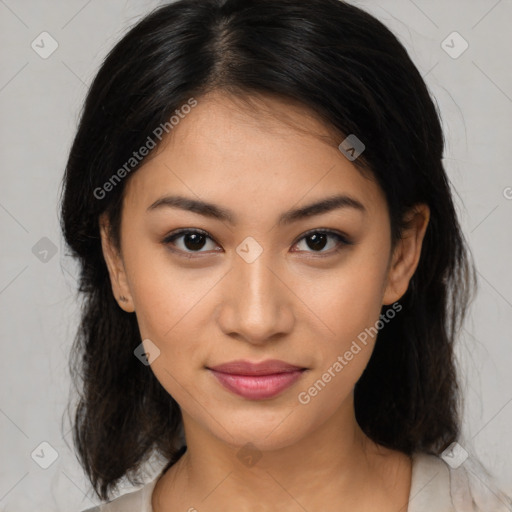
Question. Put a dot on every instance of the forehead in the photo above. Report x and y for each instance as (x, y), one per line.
(263, 150)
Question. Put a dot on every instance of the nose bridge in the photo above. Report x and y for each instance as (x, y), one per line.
(252, 268)
(259, 281)
(258, 303)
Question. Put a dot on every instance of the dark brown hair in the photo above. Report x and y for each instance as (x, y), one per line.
(353, 73)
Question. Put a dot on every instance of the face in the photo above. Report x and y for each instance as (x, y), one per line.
(260, 273)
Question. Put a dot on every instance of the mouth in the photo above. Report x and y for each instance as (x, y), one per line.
(257, 381)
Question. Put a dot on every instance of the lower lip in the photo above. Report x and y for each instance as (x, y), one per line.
(258, 387)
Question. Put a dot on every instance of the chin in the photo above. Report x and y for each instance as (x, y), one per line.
(263, 431)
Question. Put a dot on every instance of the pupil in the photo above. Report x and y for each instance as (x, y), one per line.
(191, 241)
(195, 241)
(319, 241)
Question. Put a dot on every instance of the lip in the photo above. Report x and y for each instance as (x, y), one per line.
(257, 381)
(267, 367)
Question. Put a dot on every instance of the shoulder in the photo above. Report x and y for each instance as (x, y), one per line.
(135, 501)
(454, 486)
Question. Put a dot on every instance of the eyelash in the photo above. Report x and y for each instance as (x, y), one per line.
(343, 241)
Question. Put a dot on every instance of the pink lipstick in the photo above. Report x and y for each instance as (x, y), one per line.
(257, 381)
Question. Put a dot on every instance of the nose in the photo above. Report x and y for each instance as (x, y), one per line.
(257, 304)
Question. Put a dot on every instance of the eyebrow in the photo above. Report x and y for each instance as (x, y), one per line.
(217, 212)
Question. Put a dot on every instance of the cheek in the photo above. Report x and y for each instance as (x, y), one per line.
(350, 306)
(172, 309)
(349, 299)
(164, 293)
(169, 313)
(349, 302)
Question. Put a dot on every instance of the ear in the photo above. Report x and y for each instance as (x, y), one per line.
(406, 254)
(116, 269)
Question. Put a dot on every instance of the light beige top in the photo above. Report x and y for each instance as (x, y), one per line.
(435, 487)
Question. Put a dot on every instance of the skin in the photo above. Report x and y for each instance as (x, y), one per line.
(296, 302)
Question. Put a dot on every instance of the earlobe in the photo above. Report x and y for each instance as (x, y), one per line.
(407, 254)
(116, 269)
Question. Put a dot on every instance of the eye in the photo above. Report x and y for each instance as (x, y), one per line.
(192, 241)
(317, 240)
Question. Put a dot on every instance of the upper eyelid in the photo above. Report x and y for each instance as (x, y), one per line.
(329, 231)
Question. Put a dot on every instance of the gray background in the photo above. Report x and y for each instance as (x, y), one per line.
(40, 100)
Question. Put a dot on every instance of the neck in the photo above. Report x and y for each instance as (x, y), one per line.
(336, 461)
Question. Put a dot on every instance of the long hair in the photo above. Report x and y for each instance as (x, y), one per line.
(349, 70)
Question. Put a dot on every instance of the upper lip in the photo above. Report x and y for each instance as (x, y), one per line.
(268, 367)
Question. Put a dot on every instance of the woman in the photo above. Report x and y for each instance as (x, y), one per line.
(272, 268)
